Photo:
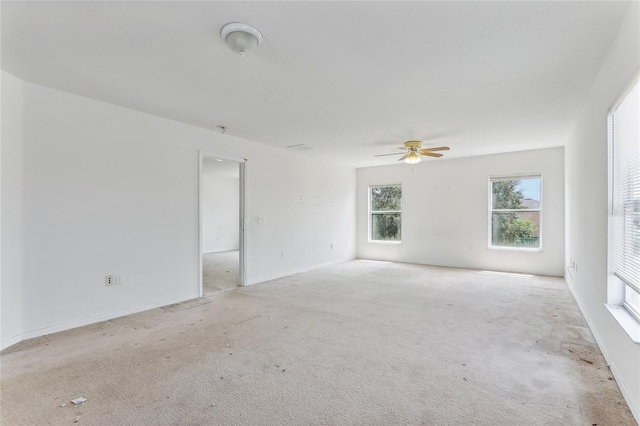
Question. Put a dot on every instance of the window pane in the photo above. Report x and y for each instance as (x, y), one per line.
(516, 193)
(385, 226)
(632, 298)
(386, 198)
(515, 229)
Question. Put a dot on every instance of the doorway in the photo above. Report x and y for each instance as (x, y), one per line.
(221, 230)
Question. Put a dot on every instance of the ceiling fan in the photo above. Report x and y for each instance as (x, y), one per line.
(413, 152)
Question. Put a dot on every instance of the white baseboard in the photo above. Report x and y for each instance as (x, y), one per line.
(92, 320)
(634, 405)
(10, 342)
(219, 251)
(322, 265)
(301, 270)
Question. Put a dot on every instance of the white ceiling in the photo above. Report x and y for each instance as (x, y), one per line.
(348, 79)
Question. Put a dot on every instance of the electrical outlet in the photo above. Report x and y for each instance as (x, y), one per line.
(117, 279)
(282, 253)
(108, 280)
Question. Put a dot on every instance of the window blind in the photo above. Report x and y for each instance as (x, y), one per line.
(625, 128)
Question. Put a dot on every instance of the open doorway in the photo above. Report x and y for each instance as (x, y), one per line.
(221, 219)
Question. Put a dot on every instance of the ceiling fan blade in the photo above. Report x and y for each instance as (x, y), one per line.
(383, 155)
(438, 148)
(403, 157)
(430, 154)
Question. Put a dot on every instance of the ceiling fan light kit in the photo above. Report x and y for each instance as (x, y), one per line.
(412, 158)
(241, 38)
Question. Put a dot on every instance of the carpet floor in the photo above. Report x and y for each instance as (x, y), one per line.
(359, 343)
(220, 271)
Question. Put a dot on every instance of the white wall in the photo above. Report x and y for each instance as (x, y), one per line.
(11, 211)
(107, 190)
(307, 221)
(586, 196)
(220, 208)
(445, 212)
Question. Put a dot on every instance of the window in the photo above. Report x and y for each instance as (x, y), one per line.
(385, 207)
(624, 237)
(514, 217)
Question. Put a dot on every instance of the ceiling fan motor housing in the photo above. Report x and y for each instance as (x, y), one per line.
(413, 145)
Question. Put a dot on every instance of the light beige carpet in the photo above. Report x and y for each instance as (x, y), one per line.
(220, 271)
(364, 343)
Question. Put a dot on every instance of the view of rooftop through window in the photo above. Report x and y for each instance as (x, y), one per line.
(530, 189)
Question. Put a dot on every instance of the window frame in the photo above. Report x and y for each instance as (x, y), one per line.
(633, 310)
(618, 289)
(372, 212)
(491, 210)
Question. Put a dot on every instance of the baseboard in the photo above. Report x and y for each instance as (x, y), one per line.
(634, 405)
(219, 251)
(92, 320)
(10, 342)
(322, 265)
(301, 270)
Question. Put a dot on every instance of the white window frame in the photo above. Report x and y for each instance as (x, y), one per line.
(632, 309)
(372, 212)
(492, 210)
(618, 289)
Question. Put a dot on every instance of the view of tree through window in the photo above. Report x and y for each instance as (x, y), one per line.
(515, 212)
(386, 209)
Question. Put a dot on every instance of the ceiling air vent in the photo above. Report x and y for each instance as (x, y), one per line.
(299, 147)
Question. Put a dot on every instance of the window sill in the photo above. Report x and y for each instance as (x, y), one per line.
(627, 321)
(530, 250)
(384, 242)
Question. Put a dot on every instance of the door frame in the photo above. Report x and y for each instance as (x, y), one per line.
(242, 250)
